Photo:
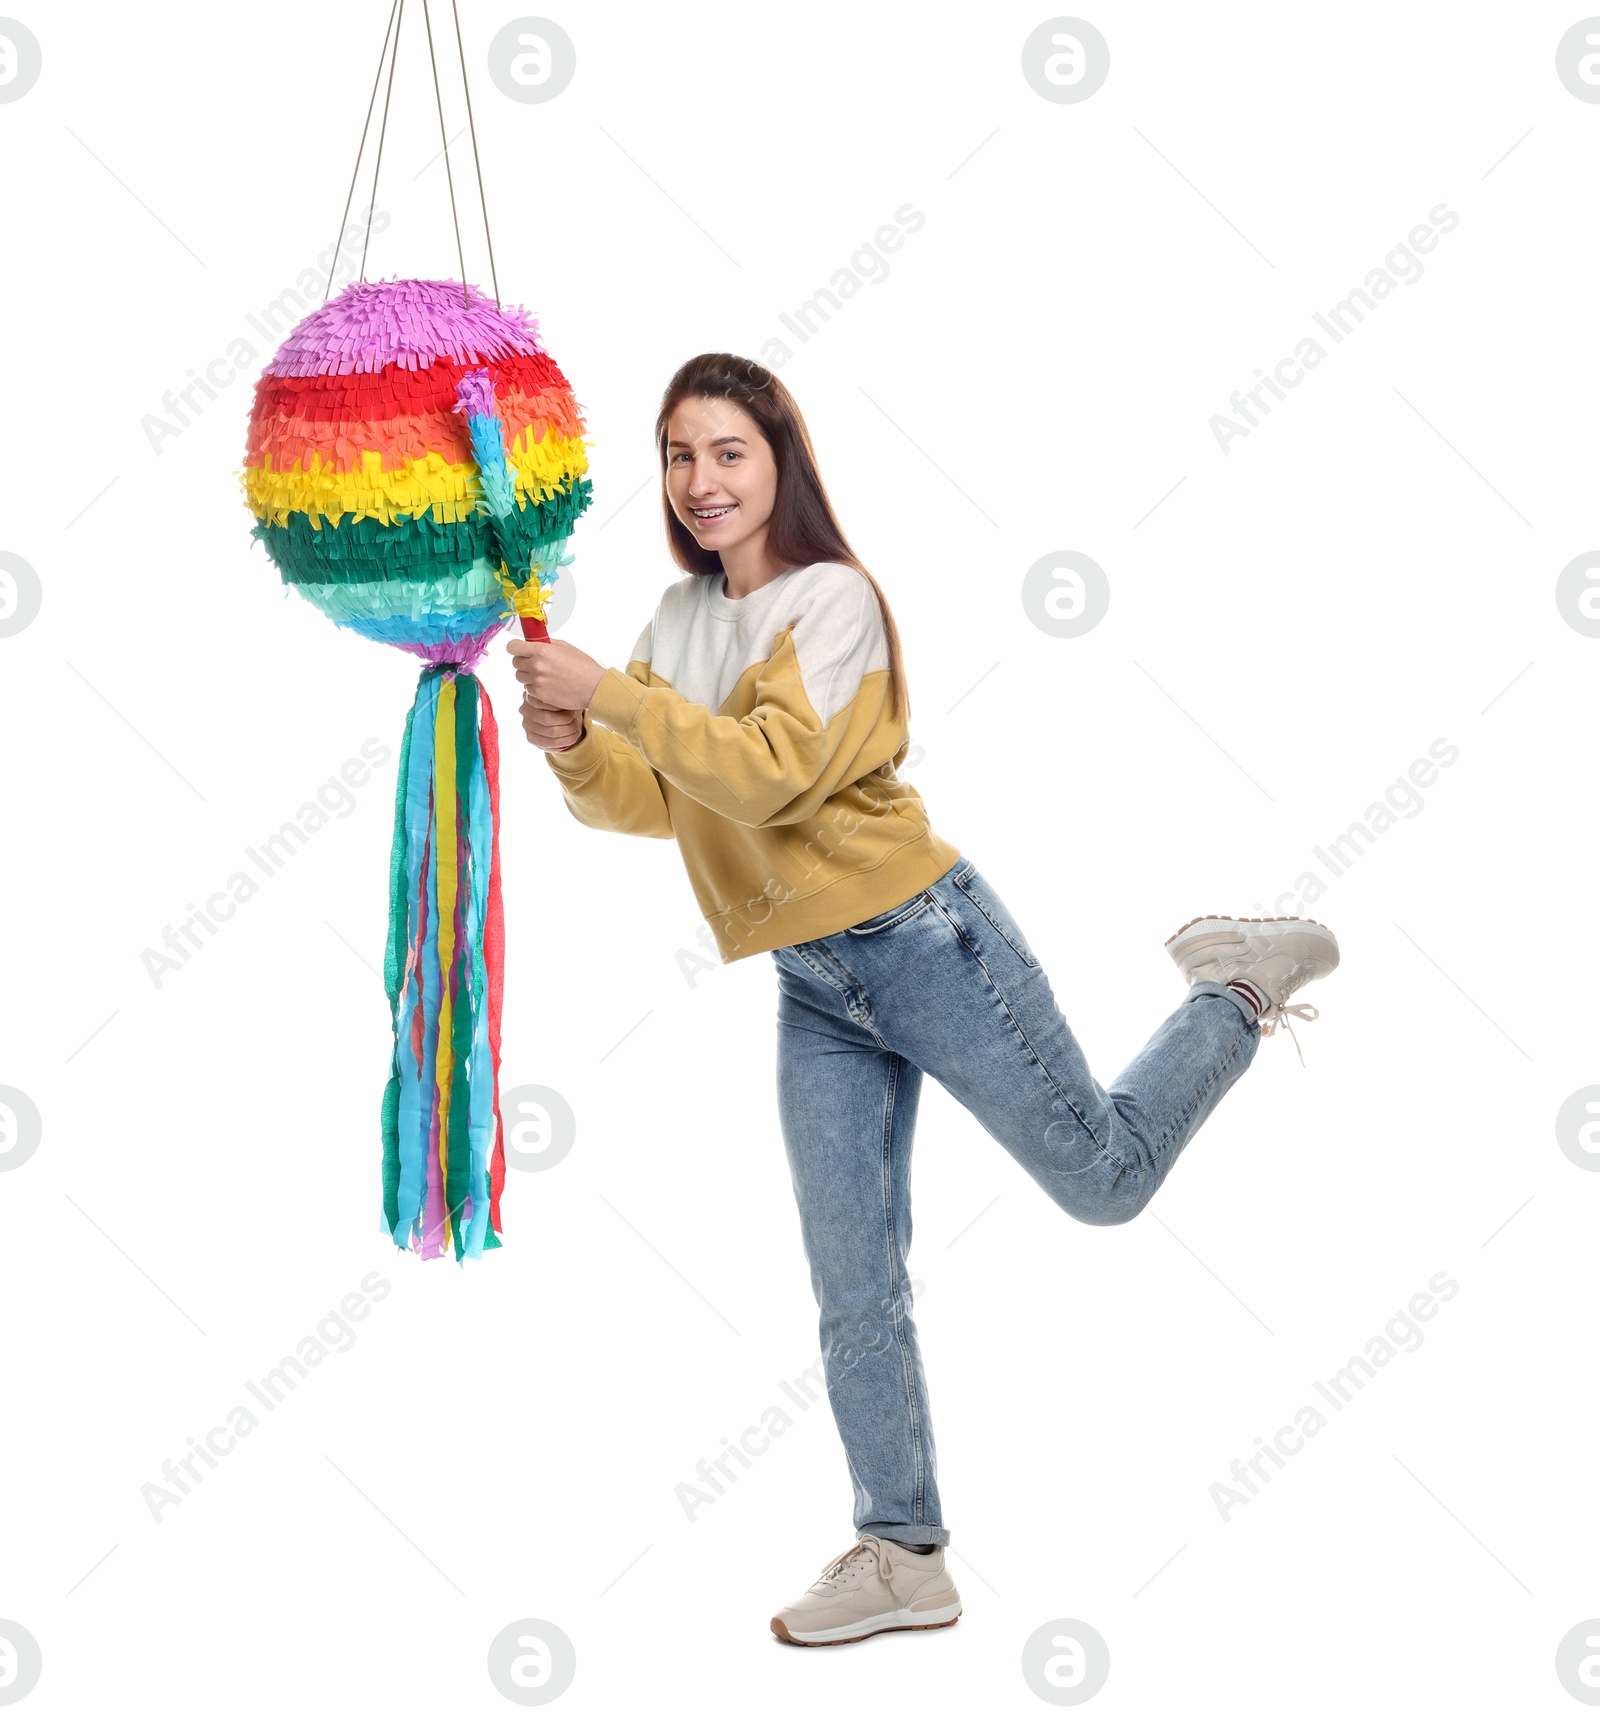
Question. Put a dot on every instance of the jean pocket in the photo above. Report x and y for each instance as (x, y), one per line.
(887, 919)
(972, 885)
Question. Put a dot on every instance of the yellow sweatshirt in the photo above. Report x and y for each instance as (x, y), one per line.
(756, 732)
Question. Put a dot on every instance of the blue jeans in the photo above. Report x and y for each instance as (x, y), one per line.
(945, 983)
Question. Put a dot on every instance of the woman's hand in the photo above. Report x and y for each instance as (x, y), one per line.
(550, 727)
(555, 673)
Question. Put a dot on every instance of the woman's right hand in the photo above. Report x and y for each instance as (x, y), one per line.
(550, 727)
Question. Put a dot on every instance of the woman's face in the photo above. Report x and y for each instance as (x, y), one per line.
(721, 474)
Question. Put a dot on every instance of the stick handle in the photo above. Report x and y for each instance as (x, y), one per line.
(533, 629)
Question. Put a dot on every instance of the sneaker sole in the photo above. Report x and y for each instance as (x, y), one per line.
(889, 1622)
(1208, 925)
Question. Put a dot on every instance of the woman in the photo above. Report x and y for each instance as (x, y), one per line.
(760, 722)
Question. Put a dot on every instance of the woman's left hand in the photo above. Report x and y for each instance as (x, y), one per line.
(556, 673)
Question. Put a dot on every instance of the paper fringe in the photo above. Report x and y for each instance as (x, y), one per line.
(372, 490)
(526, 586)
(372, 324)
(443, 1139)
(415, 466)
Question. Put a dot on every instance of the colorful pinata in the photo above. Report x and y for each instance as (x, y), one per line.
(415, 466)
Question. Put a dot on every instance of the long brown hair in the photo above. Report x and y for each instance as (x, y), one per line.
(803, 527)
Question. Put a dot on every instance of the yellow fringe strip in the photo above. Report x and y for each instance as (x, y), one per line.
(451, 489)
(444, 839)
(527, 600)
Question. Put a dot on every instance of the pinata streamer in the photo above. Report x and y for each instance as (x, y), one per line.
(415, 466)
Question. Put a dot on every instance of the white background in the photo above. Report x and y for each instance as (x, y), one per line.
(1374, 567)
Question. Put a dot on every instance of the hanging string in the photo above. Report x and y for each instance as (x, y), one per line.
(477, 165)
(382, 133)
(393, 29)
(449, 179)
(338, 244)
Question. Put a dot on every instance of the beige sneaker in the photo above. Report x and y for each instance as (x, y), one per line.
(873, 1586)
(1272, 956)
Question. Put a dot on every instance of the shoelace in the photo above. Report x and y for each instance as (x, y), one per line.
(869, 1547)
(1301, 1009)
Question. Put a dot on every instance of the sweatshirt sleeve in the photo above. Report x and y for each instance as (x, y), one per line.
(817, 700)
(605, 781)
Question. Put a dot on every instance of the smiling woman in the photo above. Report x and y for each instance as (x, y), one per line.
(760, 721)
(763, 712)
(720, 467)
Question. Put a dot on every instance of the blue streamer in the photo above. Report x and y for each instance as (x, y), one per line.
(416, 1084)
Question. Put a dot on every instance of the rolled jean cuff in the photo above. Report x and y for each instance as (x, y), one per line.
(901, 1533)
(1227, 993)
